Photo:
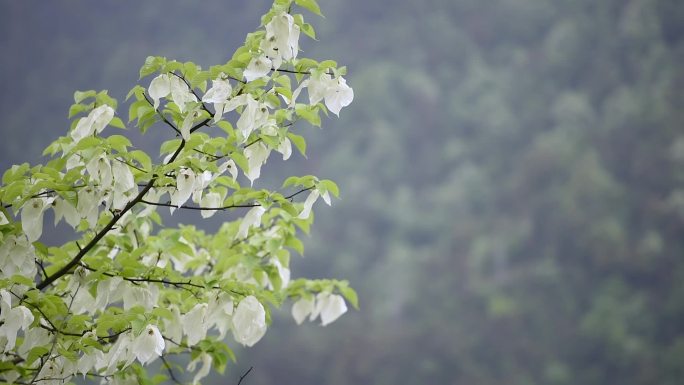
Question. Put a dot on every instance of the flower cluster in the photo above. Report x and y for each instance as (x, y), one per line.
(129, 291)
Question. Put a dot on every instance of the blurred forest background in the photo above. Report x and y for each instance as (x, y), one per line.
(512, 177)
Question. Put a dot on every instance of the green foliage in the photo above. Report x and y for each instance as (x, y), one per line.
(127, 289)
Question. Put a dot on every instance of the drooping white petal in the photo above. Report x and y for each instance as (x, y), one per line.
(211, 200)
(180, 93)
(283, 273)
(148, 345)
(308, 204)
(3, 219)
(185, 182)
(220, 313)
(13, 320)
(297, 91)
(195, 324)
(285, 148)
(251, 219)
(301, 309)
(173, 328)
(32, 218)
(232, 168)
(256, 155)
(145, 295)
(326, 198)
(332, 307)
(160, 87)
(100, 170)
(206, 361)
(249, 321)
(96, 121)
(102, 115)
(219, 92)
(258, 67)
(339, 96)
(318, 88)
(253, 116)
(87, 206)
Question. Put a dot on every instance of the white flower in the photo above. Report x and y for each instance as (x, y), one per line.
(195, 324)
(206, 360)
(148, 345)
(253, 116)
(64, 209)
(249, 321)
(256, 155)
(251, 219)
(211, 200)
(281, 41)
(301, 309)
(308, 204)
(124, 185)
(218, 94)
(336, 92)
(100, 170)
(219, 313)
(12, 320)
(258, 67)
(166, 84)
(173, 328)
(32, 217)
(145, 295)
(3, 219)
(160, 87)
(180, 93)
(283, 273)
(96, 121)
(185, 183)
(88, 204)
(329, 306)
(17, 256)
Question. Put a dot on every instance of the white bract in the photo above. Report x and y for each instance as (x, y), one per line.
(95, 122)
(185, 183)
(329, 307)
(281, 42)
(218, 94)
(336, 92)
(32, 217)
(249, 321)
(258, 67)
(148, 345)
(12, 320)
(251, 219)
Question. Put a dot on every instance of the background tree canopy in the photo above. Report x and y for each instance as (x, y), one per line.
(512, 188)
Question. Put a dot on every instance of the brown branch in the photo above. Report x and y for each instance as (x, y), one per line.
(115, 218)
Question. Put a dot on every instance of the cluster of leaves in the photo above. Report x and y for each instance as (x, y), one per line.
(128, 290)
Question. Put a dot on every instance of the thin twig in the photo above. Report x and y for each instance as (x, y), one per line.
(242, 377)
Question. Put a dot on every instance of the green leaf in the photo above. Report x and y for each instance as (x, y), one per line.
(152, 65)
(299, 142)
(308, 113)
(119, 142)
(36, 353)
(142, 158)
(80, 96)
(311, 5)
(116, 122)
(330, 186)
(349, 293)
(294, 243)
(308, 30)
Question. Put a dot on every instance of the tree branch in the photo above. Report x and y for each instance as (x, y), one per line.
(115, 218)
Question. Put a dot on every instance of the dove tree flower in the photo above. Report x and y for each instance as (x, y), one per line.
(127, 290)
